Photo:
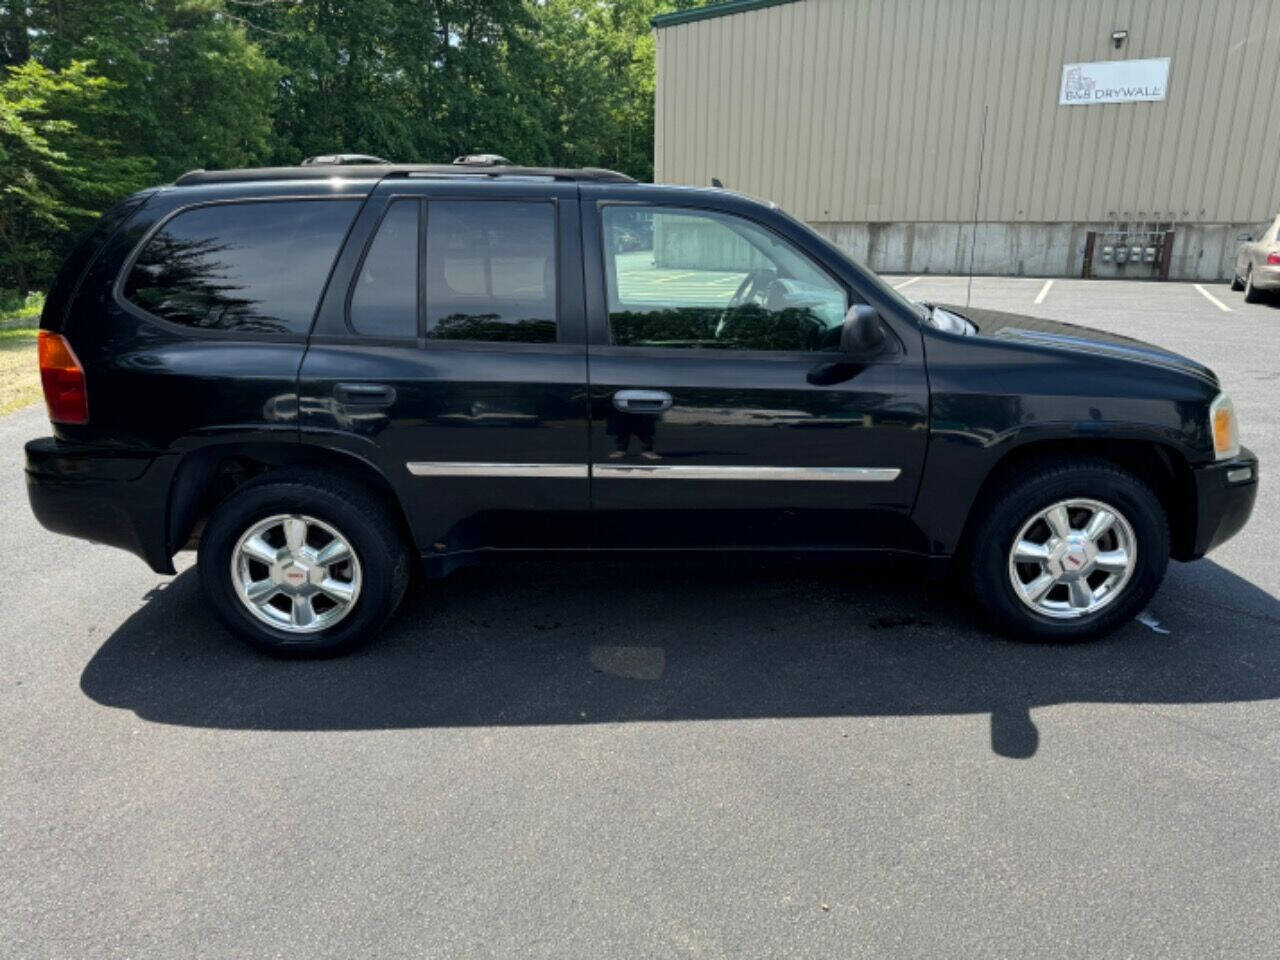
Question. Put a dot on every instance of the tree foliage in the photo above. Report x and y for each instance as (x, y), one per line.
(54, 175)
(104, 96)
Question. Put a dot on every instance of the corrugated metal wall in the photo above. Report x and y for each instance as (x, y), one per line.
(870, 110)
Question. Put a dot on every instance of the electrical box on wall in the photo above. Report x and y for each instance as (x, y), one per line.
(1135, 253)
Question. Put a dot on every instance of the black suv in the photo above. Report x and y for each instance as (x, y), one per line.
(322, 375)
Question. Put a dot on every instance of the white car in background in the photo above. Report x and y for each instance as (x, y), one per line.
(1257, 269)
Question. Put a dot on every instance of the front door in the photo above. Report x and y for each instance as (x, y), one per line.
(450, 353)
(721, 413)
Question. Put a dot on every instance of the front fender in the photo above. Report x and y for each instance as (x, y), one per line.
(991, 401)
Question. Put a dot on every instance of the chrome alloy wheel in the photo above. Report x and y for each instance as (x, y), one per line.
(295, 573)
(1072, 559)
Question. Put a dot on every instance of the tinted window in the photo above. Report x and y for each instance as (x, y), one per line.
(695, 279)
(85, 250)
(491, 271)
(243, 267)
(384, 302)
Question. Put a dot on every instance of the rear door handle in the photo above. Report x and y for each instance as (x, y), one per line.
(365, 394)
(642, 401)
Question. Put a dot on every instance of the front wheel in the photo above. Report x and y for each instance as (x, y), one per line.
(1070, 550)
(301, 563)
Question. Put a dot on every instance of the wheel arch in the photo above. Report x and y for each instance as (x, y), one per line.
(207, 476)
(1162, 467)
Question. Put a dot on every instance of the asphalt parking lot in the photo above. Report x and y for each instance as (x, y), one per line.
(702, 759)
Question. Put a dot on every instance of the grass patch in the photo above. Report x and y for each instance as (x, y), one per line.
(19, 370)
(17, 311)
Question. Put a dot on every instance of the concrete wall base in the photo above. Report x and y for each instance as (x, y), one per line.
(1204, 251)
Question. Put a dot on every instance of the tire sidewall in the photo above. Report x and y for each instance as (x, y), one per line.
(990, 560)
(383, 567)
(1251, 293)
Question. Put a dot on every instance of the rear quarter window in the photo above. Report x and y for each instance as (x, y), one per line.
(82, 255)
(255, 267)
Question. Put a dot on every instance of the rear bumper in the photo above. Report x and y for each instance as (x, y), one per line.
(1225, 492)
(103, 495)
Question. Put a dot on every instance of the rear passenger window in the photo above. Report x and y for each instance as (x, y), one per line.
(384, 302)
(241, 267)
(491, 270)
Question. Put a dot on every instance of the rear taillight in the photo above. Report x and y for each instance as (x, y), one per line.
(63, 380)
(1273, 258)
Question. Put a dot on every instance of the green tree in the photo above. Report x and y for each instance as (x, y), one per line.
(53, 177)
(404, 79)
(189, 86)
(172, 85)
(596, 83)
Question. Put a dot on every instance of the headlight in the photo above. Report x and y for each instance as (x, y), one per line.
(1223, 426)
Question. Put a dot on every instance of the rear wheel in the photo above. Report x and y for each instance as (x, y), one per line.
(1251, 293)
(1070, 550)
(300, 563)
(1236, 283)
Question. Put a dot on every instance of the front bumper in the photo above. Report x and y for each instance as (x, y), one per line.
(1225, 492)
(103, 495)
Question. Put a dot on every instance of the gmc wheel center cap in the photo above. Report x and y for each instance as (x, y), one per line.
(1074, 557)
(294, 575)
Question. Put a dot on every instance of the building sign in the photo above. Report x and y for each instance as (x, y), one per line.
(1114, 81)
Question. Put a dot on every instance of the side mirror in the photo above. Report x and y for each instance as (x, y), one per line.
(862, 335)
(1245, 238)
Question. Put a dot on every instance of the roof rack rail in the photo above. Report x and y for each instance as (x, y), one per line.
(376, 171)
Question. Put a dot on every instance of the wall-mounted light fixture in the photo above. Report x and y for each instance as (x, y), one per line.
(1118, 37)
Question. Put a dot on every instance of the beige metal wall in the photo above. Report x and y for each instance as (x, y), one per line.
(848, 111)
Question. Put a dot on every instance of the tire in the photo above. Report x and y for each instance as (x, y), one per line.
(369, 563)
(1251, 293)
(1141, 529)
(1236, 283)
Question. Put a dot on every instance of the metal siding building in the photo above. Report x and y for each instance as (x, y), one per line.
(864, 118)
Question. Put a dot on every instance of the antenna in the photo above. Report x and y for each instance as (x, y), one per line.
(973, 240)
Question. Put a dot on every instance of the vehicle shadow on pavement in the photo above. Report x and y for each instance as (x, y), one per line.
(599, 642)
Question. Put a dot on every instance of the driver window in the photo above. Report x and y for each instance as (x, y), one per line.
(696, 279)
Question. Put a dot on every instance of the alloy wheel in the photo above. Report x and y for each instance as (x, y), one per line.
(1072, 558)
(296, 573)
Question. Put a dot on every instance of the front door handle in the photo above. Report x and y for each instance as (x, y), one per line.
(365, 394)
(642, 401)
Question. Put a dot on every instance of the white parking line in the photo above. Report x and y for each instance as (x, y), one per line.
(1044, 292)
(905, 283)
(1212, 299)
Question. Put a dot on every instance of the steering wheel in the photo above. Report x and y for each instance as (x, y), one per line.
(754, 283)
(754, 288)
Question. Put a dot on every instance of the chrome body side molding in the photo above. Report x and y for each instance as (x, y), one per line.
(641, 471)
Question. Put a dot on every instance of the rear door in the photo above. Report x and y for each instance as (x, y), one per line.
(450, 353)
(721, 414)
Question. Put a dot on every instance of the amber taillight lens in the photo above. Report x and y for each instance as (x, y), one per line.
(63, 380)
